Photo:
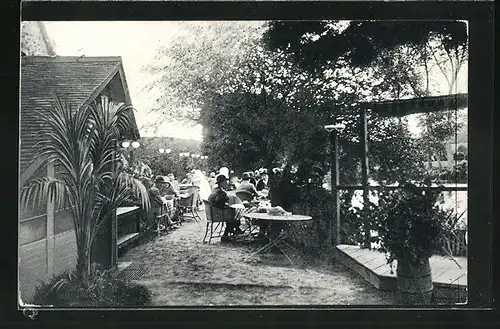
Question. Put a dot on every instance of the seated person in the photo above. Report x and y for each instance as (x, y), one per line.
(246, 186)
(158, 203)
(252, 178)
(188, 179)
(168, 189)
(174, 182)
(262, 183)
(219, 199)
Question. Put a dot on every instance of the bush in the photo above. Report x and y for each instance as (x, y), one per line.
(411, 222)
(455, 174)
(312, 237)
(318, 203)
(101, 289)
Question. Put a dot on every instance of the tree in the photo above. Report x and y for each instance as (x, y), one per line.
(194, 65)
(401, 54)
(360, 42)
(81, 145)
(163, 164)
(267, 114)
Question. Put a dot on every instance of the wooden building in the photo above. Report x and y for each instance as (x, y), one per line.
(47, 243)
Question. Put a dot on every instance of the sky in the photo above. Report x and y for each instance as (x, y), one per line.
(136, 42)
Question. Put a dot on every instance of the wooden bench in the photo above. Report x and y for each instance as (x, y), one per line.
(130, 235)
(127, 239)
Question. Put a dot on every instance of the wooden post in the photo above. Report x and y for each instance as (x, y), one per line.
(50, 238)
(335, 187)
(332, 182)
(114, 226)
(364, 173)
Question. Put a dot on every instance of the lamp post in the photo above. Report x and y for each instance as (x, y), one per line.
(135, 145)
(165, 151)
(333, 131)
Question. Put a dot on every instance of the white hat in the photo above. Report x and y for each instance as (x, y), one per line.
(224, 171)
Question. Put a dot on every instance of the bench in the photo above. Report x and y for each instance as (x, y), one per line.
(127, 239)
(129, 222)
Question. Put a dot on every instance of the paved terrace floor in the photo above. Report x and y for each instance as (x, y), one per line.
(180, 270)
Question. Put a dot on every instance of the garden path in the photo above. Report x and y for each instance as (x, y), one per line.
(180, 270)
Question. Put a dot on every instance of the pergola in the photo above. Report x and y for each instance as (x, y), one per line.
(392, 108)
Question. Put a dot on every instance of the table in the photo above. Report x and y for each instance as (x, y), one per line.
(278, 241)
(239, 208)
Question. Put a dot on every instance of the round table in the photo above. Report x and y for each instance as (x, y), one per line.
(279, 240)
(284, 218)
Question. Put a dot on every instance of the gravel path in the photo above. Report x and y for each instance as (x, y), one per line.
(181, 270)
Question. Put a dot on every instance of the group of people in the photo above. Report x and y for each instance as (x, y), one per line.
(258, 178)
(162, 196)
(219, 197)
(165, 191)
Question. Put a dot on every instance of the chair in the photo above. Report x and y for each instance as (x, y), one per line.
(195, 189)
(190, 206)
(172, 209)
(247, 196)
(216, 216)
(192, 189)
(159, 218)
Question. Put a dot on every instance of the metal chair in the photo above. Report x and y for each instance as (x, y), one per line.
(218, 217)
(190, 206)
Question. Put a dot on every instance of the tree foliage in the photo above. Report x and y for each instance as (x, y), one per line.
(188, 71)
(262, 109)
(166, 163)
(360, 42)
(405, 56)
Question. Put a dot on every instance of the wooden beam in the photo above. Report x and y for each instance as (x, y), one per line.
(30, 171)
(403, 107)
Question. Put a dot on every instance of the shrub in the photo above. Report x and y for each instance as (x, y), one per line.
(410, 222)
(100, 289)
(456, 174)
(312, 237)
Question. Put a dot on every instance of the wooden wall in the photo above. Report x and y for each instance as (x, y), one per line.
(47, 245)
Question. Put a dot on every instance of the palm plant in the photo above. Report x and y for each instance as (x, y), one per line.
(82, 144)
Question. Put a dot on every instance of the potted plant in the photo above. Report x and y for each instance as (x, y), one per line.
(410, 226)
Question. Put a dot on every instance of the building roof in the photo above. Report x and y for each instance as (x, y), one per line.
(78, 80)
(402, 107)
